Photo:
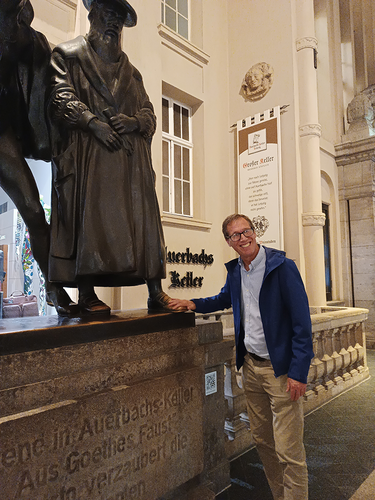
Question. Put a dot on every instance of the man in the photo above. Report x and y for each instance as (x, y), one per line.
(105, 223)
(274, 346)
(24, 60)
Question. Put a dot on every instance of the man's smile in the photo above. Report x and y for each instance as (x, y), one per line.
(246, 246)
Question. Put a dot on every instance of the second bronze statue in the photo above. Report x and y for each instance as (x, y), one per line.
(24, 62)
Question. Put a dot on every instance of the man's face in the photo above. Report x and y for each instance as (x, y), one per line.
(109, 20)
(247, 248)
(255, 78)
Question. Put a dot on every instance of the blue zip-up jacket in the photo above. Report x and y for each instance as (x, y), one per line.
(284, 310)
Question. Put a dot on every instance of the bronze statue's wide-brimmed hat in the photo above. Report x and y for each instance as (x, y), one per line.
(130, 14)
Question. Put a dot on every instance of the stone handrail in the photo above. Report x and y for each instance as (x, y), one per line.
(339, 363)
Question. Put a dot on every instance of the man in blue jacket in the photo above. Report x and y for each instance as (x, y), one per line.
(273, 345)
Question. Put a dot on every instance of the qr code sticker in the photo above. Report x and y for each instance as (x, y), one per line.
(211, 383)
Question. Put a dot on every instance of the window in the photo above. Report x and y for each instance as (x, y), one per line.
(327, 254)
(177, 158)
(175, 15)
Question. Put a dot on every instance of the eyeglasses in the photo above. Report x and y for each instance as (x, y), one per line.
(237, 236)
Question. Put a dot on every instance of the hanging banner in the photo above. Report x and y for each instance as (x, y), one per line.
(259, 175)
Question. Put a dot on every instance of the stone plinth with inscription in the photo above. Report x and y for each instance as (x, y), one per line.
(127, 408)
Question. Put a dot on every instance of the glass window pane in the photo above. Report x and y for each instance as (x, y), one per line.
(165, 158)
(183, 27)
(177, 197)
(177, 120)
(186, 194)
(165, 116)
(185, 124)
(177, 162)
(170, 18)
(166, 207)
(162, 12)
(172, 3)
(186, 164)
(183, 7)
(176, 158)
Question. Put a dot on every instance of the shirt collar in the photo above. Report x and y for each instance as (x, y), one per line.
(261, 255)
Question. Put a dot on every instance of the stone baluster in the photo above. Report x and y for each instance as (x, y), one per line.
(344, 353)
(236, 400)
(337, 358)
(352, 351)
(328, 361)
(316, 372)
(359, 346)
(320, 365)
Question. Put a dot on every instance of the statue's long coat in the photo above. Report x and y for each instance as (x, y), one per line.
(105, 216)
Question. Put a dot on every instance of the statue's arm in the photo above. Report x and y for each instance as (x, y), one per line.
(145, 116)
(64, 105)
(144, 122)
(146, 119)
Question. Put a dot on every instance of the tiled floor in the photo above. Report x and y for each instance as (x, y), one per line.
(340, 449)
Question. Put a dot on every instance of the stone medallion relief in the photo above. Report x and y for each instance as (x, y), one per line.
(257, 82)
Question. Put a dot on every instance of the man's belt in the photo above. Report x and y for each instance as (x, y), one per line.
(256, 357)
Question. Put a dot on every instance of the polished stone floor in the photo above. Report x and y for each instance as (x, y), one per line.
(340, 449)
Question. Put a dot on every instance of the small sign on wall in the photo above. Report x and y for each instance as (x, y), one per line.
(211, 383)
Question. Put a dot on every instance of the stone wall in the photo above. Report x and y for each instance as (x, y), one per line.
(355, 161)
(118, 416)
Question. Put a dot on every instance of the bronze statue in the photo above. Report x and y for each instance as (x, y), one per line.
(105, 222)
(24, 60)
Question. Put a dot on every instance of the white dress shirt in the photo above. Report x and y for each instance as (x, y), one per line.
(251, 282)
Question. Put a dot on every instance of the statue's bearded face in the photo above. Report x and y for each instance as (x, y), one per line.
(107, 18)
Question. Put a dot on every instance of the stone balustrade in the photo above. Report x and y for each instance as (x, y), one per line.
(339, 363)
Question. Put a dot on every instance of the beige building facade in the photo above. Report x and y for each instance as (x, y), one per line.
(323, 57)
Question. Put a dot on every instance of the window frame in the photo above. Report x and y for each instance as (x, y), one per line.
(173, 141)
(164, 7)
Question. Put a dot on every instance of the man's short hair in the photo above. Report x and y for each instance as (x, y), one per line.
(232, 218)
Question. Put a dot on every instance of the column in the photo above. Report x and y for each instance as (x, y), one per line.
(310, 131)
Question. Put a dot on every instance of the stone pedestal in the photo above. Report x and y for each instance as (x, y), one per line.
(112, 410)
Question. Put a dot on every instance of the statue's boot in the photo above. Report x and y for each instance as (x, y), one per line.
(88, 301)
(158, 300)
(58, 297)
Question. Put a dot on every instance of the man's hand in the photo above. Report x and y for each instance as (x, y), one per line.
(296, 389)
(123, 124)
(105, 135)
(181, 304)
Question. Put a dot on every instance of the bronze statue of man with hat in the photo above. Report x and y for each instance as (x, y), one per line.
(105, 221)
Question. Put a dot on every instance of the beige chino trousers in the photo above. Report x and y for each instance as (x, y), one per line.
(276, 424)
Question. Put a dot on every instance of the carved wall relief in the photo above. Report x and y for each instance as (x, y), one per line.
(257, 82)
(361, 114)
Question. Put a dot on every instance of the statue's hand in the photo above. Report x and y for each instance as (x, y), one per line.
(123, 124)
(105, 135)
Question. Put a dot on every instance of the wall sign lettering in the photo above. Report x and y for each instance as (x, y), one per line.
(188, 257)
